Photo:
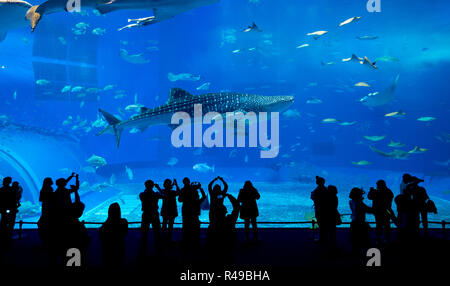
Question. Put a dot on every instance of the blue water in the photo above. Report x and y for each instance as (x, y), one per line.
(201, 42)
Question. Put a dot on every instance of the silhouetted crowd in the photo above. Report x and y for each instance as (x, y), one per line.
(413, 205)
(60, 227)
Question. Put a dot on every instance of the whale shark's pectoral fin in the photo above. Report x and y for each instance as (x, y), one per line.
(2, 36)
(33, 16)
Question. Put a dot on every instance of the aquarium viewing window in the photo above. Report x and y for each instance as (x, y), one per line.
(156, 126)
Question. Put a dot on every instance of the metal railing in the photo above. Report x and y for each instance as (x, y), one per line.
(313, 224)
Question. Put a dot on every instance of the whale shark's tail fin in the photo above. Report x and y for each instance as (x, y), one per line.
(33, 16)
(113, 124)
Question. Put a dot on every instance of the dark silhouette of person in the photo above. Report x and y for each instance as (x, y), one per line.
(64, 229)
(8, 208)
(14, 204)
(46, 197)
(149, 199)
(112, 236)
(359, 228)
(4, 208)
(381, 198)
(411, 205)
(191, 210)
(78, 236)
(169, 209)
(249, 209)
(216, 194)
(419, 198)
(325, 207)
(222, 237)
(330, 215)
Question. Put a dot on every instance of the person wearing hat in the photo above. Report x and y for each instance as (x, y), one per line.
(359, 228)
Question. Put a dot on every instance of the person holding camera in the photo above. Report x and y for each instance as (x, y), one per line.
(149, 199)
(169, 209)
(191, 209)
(381, 198)
(217, 209)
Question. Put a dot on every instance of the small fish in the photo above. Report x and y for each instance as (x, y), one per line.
(348, 21)
(96, 161)
(345, 123)
(327, 63)
(361, 163)
(317, 34)
(252, 28)
(42, 82)
(236, 51)
(82, 25)
(77, 89)
(172, 161)
(182, 76)
(134, 107)
(15, 95)
(367, 37)
(109, 87)
(99, 31)
(203, 168)
(417, 150)
(426, 118)
(129, 173)
(375, 138)
(313, 100)
(395, 114)
(362, 84)
(330, 120)
(302, 46)
(66, 88)
(204, 86)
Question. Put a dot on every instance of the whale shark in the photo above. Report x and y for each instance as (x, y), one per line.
(162, 9)
(182, 101)
(12, 15)
(380, 98)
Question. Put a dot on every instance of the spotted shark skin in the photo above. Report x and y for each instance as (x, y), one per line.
(182, 101)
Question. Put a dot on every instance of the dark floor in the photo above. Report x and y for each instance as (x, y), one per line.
(288, 250)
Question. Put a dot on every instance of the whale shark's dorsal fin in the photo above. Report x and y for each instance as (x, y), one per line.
(178, 94)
